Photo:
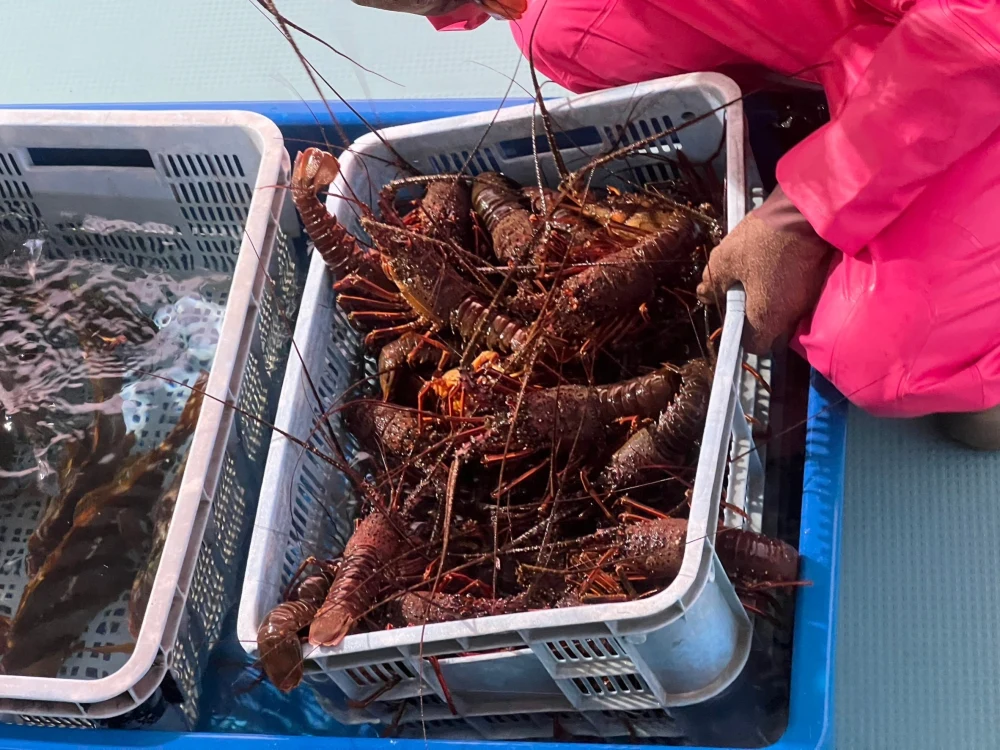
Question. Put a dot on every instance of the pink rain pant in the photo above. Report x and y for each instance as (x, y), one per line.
(904, 181)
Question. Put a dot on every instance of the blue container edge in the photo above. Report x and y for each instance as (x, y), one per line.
(317, 115)
(810, 724)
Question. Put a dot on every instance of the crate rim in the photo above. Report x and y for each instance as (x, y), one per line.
(381, 113)
(201, 464)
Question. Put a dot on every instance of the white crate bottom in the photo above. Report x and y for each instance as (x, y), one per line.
(432, 716)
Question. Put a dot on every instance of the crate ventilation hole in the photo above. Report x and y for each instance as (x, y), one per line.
(585, 650)
(611, 685)
(380, 674)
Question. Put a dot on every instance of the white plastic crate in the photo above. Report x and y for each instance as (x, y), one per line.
(679, 647)
(195, 191)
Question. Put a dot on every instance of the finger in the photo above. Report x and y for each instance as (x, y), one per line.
(720, 274)
(769, 319)
(511, 10)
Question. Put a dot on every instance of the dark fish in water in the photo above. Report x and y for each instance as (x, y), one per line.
(4, 630)
(92, 462)
(96, 560)
(142, 586)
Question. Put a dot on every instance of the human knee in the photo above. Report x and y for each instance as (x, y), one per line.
(889, 381)
(871, 386)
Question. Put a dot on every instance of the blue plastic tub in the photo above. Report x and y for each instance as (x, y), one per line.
(811, 712)
(810, 722)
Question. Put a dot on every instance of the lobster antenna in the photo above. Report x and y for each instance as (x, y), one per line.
(543, 110)
(285, 28)
(651, 139)
(292, 25)
(479, 144)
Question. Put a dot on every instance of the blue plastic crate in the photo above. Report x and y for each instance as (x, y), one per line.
(812, 696)
(811, 712)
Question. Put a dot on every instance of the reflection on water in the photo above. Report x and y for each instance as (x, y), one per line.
(96, 410)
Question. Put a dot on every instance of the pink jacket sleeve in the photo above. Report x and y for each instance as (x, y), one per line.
(930, 95)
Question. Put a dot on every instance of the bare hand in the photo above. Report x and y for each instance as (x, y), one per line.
(781, 268)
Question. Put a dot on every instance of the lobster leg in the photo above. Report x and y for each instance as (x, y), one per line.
(359, 284)
(347, 302)
(378, 316)
(381, 334)
(525, 476)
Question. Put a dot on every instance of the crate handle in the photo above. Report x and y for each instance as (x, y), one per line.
(129, 158)
(565, 140)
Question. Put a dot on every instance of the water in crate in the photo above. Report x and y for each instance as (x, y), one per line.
(100, 367)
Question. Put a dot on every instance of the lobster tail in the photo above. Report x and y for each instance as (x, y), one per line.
(278, 635)
(279, 645)
(505, 211)
(314, 170)
(748, 555)
(498, 331)
(369, 551)
(670, 439)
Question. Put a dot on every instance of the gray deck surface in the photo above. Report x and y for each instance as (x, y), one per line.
(919, 634)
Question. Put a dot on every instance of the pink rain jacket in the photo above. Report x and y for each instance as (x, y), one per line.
(904, 181)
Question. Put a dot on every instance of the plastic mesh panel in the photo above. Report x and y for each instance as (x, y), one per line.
(18, 518)
(616, 691)
(131, 248)
(279, 305)
(21, 213)
(316, 481)
(216, 578)
(586, 650)
(380, 674)
(213, 193)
